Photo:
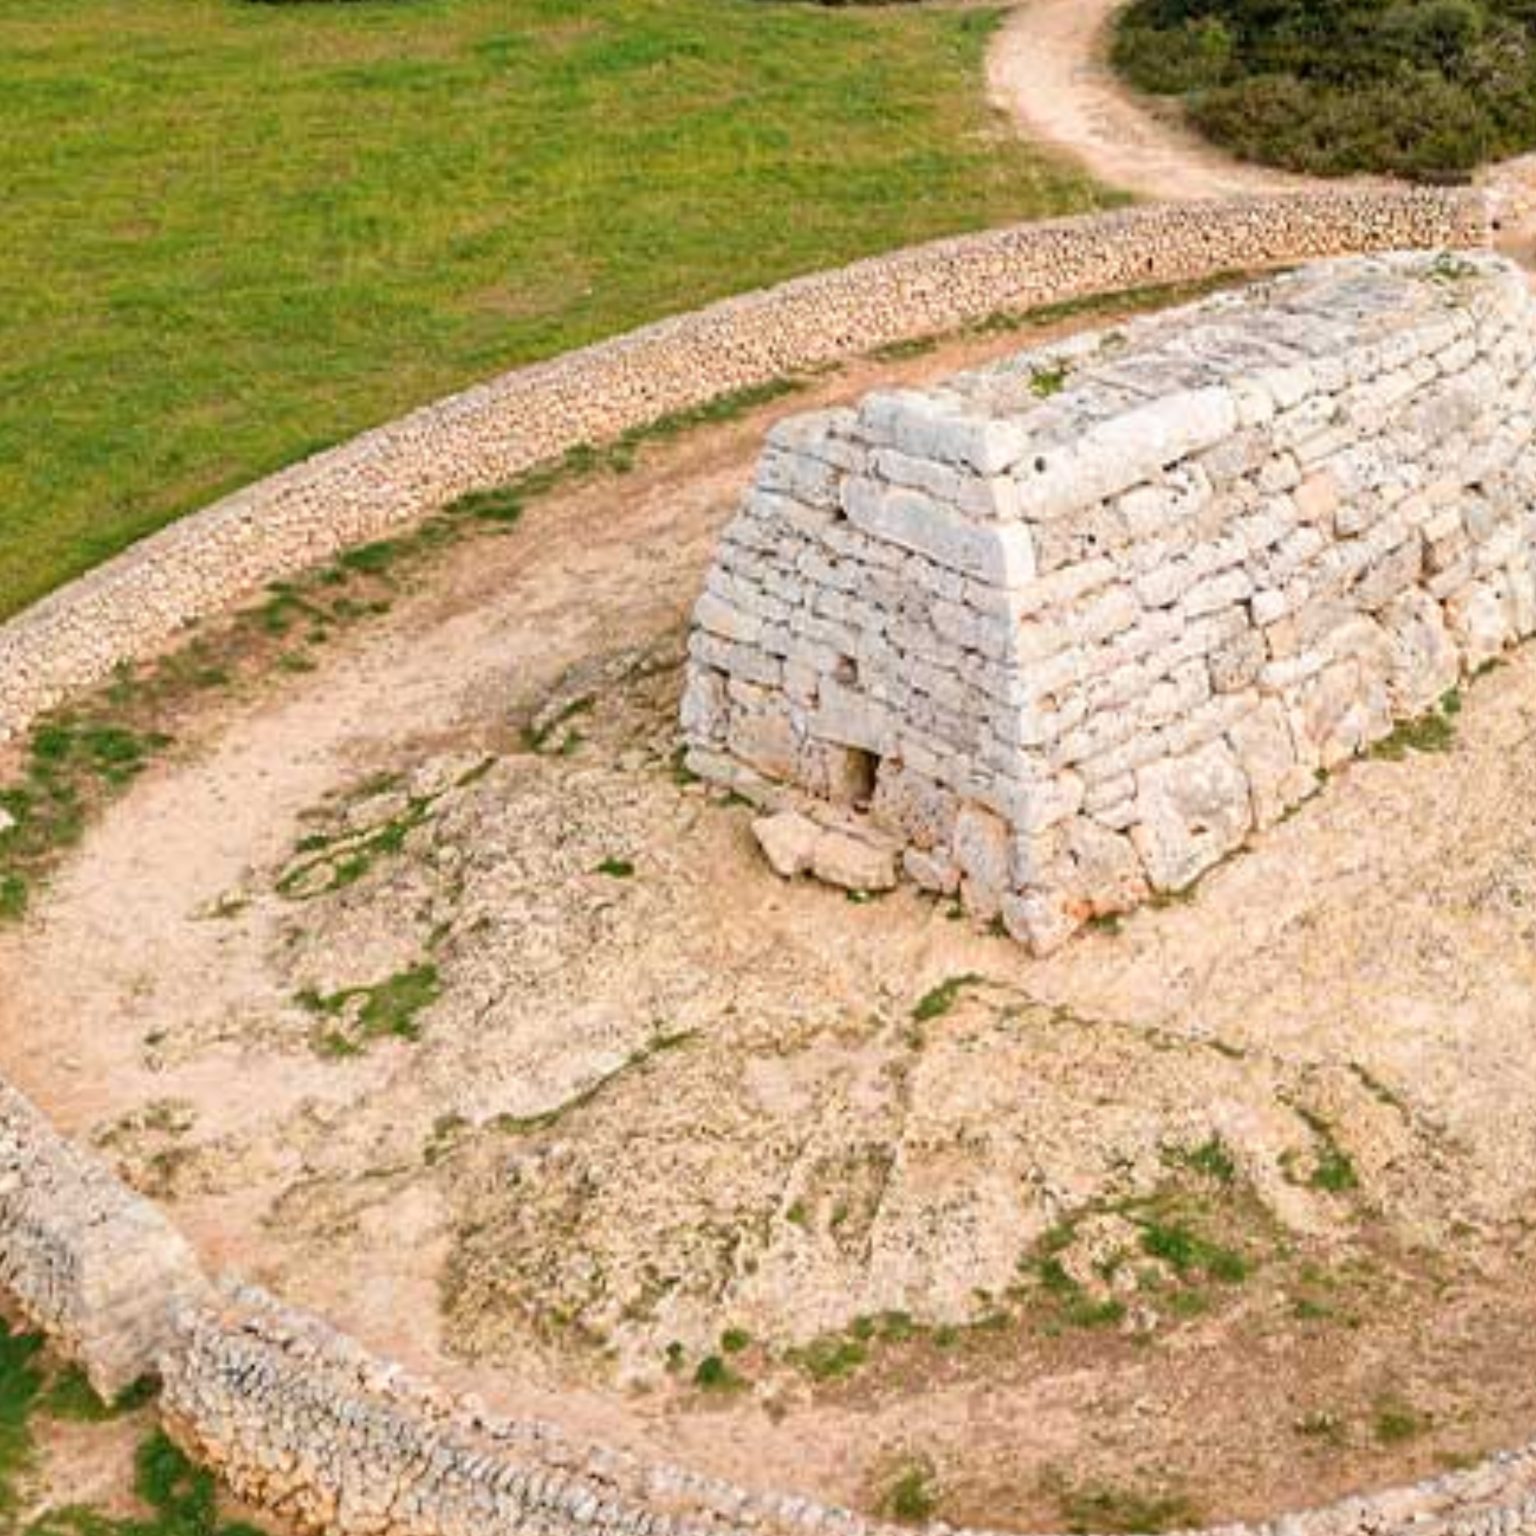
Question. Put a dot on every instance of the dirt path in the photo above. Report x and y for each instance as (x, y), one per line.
(432, 1195)
(1048, 69)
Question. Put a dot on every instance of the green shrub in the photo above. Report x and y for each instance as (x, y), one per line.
(1427, 89)
(913, 1495)
(714, 1375)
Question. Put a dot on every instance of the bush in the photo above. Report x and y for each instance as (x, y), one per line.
(1179, 60)
(1418, 88)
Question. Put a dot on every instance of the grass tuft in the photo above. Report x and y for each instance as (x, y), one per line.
(712, 1374)
(913, 1497)
(21, 1386)
(1396, 1422)
(942, 998)
(389, 1008)
(1333, 1169)
(831, 1357)
(1045, 382)
(181, 1498)
(1433, 731)
(1212, 1158)
(1112, 1508)
(1186, 1252)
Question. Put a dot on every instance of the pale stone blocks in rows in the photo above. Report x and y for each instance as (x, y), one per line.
(1115, 632)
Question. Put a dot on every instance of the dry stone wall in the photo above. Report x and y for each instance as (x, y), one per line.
(311, 1428)
(388, 478)
(1065, 630)
(302, 1420)
(103, 1272)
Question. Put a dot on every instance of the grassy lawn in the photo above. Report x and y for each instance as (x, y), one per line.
(237, 232)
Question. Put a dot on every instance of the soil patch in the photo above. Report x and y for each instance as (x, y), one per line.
(427, 990)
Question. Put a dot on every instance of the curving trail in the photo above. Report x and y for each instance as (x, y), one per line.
(1048, 68)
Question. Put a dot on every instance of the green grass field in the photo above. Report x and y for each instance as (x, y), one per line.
(236, 232)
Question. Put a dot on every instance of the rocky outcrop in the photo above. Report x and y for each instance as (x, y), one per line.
(305, 1424)
(1073, 626)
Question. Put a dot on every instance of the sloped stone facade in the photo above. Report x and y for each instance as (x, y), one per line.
(1065, 631)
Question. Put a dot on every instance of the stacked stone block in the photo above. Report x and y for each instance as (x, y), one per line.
(1068, 629)
(102, 1271)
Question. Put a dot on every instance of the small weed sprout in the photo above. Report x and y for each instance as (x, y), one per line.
(1434, 731)
(356, 1015)
(1105, 1507)
(942, 998)
(1212, 1158)
(913, 1496)
(1333, 1169)
(1048, 381)
(712, 1374)
(1396, 1421)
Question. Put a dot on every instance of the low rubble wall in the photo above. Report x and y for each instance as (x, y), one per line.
(398, 474)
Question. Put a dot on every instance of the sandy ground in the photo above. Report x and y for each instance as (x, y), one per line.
(657, 1096)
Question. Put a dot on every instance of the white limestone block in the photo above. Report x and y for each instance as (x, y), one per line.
(854, 863)
(1191, 812)
(848, 718)
(1114, 455)
(932, 425)
(1001, 556)
(788, 841)
(727, 620)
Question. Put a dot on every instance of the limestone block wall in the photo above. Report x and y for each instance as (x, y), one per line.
(1068, 629)
(388, 478)
(101, 1271)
